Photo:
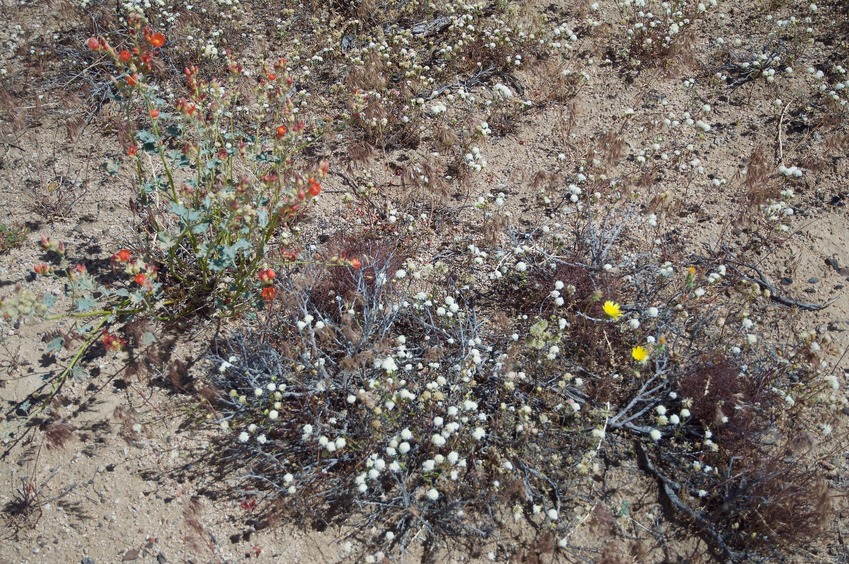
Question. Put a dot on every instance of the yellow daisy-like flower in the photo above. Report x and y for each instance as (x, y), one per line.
(640, 354)
(612, 309)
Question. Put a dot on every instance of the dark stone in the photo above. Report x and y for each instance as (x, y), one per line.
(786, 281)
(813, 280)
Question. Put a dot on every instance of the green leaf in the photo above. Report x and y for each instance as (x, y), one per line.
(79, 373)
(112, 167)
(48, 300)
(184, 213)
(147, 140)
(262, 218)
(200, 228)
(166, 240)
(174, 130)
(86, 304)
(148, 338)
(55, 345)
(178, 157)
(148, 187)
(225, 255)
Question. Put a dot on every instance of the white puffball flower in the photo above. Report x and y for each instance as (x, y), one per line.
(685, 413)
(438, 421)
(308, 429)
(438, 440)
(252, 428)
(258, 392)
(655, 435)
(661, 410)
(225, 425)
(243, 437)
(341, 442)
(404, 447)
(453, 457)
(261, 439)
(674, 419)
(273, 414)
(428, 465)
(634, 323)
(390, 535)
(351, 398)
(479, 433)
(652, 312)
(521, 266)
(552, 514)
(432, 494)
(406, 434)
(288, 478)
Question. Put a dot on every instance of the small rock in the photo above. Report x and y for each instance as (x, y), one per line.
(160, 558)
(813, 280)
(130, 555)
(786, 281)
(87, 560)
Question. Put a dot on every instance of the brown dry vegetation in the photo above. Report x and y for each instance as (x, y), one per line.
(498, 172)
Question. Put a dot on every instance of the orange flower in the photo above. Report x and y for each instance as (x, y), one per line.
(154, 113)
(281, 131)
(356, 263)
(156, 39)
(132, 150)
(269, 293)
(123, 255)
(42, 269)
(140, 279)
(94, 44)
(125, 56)
(314, 187)
(133, 79)
(111, 342)
(266, 275)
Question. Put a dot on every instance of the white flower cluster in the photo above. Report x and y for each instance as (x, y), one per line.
(474, 160)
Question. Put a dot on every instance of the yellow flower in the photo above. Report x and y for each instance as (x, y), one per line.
(640, 354)
(612, 309)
